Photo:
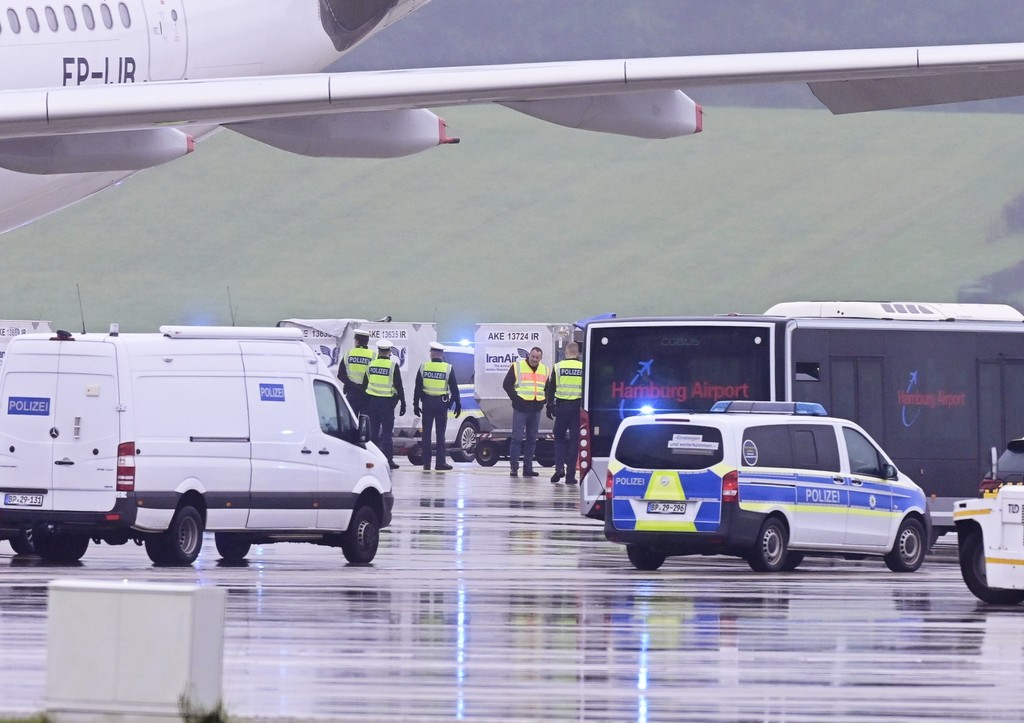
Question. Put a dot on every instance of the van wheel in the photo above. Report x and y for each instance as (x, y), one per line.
(908, 551)
(465, 442)
(181, 543)
(60, 548)
(359, 542)
(769, 552)
(232, 547)
(22, 543)
(972, 567)
(486, 453)
(645, 558)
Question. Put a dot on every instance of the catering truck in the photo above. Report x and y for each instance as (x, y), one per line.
(156, 438)
(937, 385)
(330, 338)
(497, 347)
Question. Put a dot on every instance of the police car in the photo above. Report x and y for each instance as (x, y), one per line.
(769, 482)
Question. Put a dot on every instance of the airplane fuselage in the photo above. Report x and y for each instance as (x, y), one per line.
(109, 42)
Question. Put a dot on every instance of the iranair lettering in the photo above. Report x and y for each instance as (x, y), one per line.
(106, 70)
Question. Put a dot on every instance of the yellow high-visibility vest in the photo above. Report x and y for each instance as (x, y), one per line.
(435, 377)
(356, 362)
(381, 376)
(569, 380)
(530, 383)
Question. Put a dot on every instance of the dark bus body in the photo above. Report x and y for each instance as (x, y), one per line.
(937, 395)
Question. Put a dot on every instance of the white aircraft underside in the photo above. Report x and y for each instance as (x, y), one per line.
(94, 92)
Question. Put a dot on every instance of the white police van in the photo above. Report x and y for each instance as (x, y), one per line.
(770, 482)
(158, 437)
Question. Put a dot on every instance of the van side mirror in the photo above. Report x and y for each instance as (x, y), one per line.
(994, 454)
(364, 429)
(889, 472)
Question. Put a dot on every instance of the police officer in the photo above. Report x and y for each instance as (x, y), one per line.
(524, 384)
(436, 390)
(352, 371)
(383, 388)
(565, 393)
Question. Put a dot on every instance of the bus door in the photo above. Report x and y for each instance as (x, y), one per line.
(856, 391)
(1000, 409)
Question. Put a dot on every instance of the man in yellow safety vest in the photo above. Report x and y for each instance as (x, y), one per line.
(565, 393)
(436, 390)
(524, 384)
(352, 371)
(383, 388)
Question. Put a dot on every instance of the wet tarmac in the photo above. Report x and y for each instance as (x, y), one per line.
(492, 599)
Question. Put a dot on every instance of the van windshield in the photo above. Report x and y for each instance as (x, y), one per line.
(669, 446)
(671, 367)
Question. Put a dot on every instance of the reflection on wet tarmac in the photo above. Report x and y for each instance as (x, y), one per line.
(491, 599)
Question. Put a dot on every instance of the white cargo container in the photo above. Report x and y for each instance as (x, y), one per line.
(498, 346)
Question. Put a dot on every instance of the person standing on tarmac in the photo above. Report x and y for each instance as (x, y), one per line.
(436, 390)
(565, 393)
(352, 371)
(383, 389)
(524, 384)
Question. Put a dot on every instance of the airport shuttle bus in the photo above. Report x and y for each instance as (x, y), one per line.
(937, 385)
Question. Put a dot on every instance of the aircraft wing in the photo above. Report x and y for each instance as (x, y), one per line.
(844, 80)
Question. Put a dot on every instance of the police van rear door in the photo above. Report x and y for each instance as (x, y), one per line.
(29, 388)
(667, 477)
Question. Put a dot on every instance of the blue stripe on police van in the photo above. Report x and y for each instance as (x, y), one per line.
(32, 406)
(271, 392)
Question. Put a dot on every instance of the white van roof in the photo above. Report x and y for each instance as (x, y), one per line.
(231, 332)
(902, 310)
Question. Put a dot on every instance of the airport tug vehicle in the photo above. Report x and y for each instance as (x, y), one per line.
(990, 534)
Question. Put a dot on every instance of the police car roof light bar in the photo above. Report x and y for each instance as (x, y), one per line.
(744, 407)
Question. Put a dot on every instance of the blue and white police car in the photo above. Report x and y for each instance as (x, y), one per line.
(771, 482)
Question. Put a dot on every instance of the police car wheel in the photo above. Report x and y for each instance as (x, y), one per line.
(972, 567)
(769, 552)
(645, 558)
(232, 548)
(465, 442)
(360, 541)
(908, 551)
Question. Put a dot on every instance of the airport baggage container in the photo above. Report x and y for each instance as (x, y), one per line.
(498, 346)
(12, 329)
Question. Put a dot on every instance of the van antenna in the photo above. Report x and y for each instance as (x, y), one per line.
(231, 307)
(81, 310)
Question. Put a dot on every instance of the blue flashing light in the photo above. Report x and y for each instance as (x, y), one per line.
(812, 409)
(647, 409)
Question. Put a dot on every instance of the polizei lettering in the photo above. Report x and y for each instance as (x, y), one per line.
(79, 71)
(434, 375)
(34, 406)
(271, 392)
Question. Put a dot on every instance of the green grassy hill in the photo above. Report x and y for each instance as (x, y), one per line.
(526, 221)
